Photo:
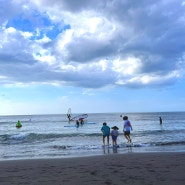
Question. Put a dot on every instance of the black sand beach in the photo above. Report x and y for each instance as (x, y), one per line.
(116, 169)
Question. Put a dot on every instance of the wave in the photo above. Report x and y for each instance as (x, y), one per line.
(157, 132)
(122, 145)
(170, 143)
(42, 136)
(36, 137)
(152, 144)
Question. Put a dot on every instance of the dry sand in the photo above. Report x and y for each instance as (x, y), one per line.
(115, 169)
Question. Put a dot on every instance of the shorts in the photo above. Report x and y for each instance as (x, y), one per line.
(114, 138)
(127, 133)
(107, 135)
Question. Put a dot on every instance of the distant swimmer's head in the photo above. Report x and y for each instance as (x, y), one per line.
(104, 123)
(125, 118)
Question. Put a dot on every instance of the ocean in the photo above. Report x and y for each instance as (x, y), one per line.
(53, 136)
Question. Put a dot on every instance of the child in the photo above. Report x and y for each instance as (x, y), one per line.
(114, 134)
(127, 127)
(106, 133)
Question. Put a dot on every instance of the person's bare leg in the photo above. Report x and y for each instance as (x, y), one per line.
(112, 142)
(126, 136)
(103, 140)
(129, 139)
(107, 140)
(116, 142)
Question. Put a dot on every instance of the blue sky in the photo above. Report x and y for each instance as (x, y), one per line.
(92, 56)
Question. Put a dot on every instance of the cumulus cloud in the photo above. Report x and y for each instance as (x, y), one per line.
(92, 44)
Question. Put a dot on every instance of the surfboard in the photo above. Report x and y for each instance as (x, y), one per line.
(70, 126)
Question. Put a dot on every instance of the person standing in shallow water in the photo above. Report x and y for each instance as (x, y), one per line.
(106, 133)
(114, 134)
(160, 120)
(127, 127)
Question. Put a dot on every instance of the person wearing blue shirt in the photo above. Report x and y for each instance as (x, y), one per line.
(106, 133)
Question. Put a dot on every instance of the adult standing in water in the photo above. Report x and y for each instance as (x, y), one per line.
(160, 120)
(127, 127)
(69, 117)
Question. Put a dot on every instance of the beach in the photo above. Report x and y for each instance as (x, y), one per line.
(165, 168)
(38, 154)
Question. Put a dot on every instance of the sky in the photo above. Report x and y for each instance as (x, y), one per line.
(91, 56)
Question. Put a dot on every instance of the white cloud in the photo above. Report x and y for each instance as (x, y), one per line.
(106, 43)
(128, 67)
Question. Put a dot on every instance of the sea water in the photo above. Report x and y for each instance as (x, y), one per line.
(53, 136)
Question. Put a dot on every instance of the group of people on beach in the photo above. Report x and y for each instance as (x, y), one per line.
(127, 127)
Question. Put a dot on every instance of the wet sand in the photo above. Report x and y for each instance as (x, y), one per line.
(114, 169)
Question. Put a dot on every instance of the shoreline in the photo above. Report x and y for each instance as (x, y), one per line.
(88, 155)
(111, 169)
(101, 152)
